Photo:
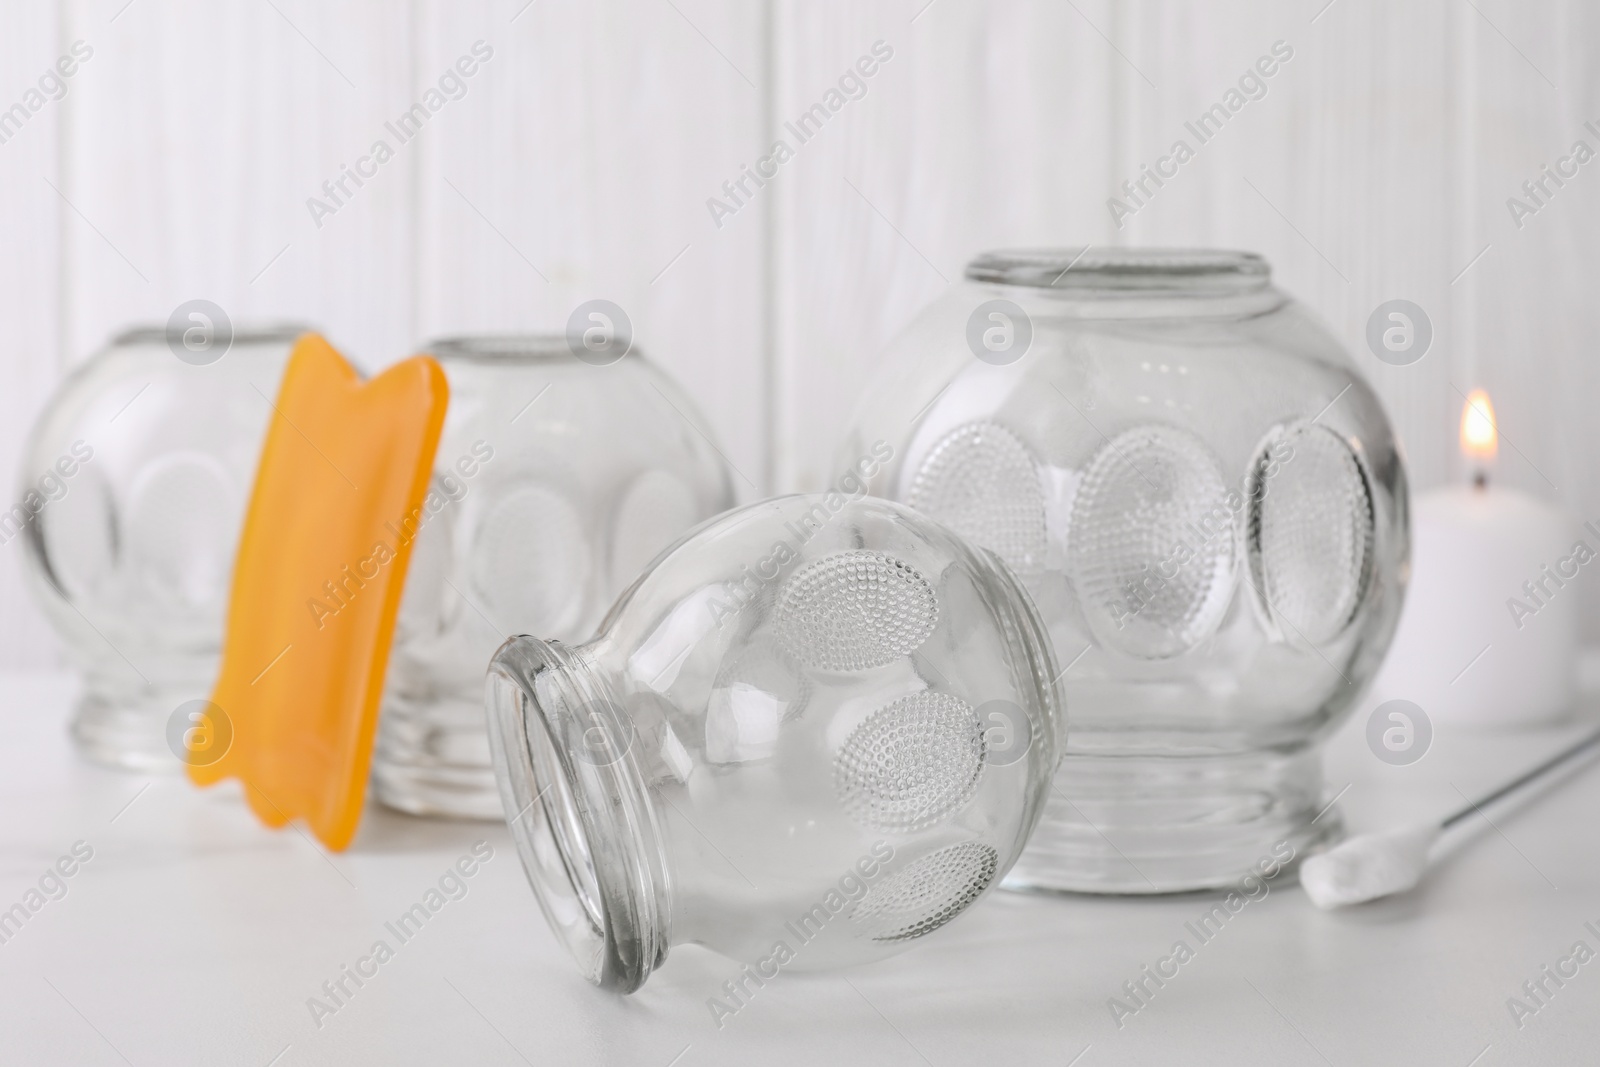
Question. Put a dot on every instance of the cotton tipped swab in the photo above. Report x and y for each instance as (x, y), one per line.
(1375, 865)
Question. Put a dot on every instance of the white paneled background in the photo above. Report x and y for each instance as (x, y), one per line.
(579, 163)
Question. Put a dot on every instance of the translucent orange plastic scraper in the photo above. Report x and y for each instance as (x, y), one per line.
(322, 562)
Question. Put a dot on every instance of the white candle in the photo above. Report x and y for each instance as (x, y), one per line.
(1488, 636)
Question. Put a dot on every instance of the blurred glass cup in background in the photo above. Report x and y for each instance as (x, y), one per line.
(563, 470)
(133, 491)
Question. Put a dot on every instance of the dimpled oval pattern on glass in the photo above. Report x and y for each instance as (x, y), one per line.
(1310, 533)
(1160, 388)
(563, 481)
(760, 793)
(137, 478)
(983, 483)
(911, 764)
(179, 530)
(856, 610)
(531, 558)
(924, 895)
(1151, 494)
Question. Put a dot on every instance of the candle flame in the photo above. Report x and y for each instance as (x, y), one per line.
(1480, 438)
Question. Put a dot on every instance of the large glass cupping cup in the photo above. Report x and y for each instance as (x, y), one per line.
(131, 497)
(1207, 504)
(556, 481)
(816, 730)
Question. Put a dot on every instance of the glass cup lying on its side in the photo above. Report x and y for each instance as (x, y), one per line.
(814, 731)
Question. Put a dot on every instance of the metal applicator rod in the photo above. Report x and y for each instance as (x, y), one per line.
(1566, 755)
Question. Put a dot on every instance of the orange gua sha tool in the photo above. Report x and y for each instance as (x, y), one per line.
(340, 493)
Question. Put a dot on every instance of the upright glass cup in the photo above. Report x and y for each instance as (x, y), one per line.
(1208, 505)
(814, 731)
(134, 488)
(562, 479)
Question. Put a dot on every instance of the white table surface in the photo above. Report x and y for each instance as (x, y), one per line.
(194, 935)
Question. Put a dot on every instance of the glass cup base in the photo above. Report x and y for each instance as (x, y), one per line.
(126, 735)
(1174, 824)
(432, 758)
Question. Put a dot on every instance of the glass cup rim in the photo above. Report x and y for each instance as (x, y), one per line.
(245, 333)
(505, 348)
(588, 838)
(1091, 269)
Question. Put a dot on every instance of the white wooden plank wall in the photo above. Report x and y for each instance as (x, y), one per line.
(1343, 174)
(1533, 317)
(579, 161)
(989, 127)
(30, 276)
(577, 167)
(202, 130)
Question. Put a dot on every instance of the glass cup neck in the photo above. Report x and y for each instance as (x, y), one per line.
(244, 335)
(579, 808)
(506, 348)
(1137, 283)
(1158, 271)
